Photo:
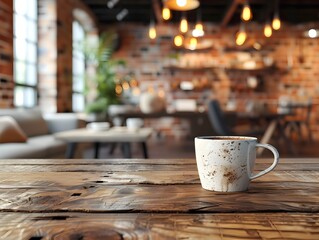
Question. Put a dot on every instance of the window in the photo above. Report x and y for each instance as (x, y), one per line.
(25, 52)
(78, 99)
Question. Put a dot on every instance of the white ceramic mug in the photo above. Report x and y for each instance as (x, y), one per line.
(225, 163)
(134, 123)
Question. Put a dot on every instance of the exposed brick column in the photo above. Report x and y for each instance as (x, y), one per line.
(6, 54)
(47, 70)
(66, 15)
(55, 52)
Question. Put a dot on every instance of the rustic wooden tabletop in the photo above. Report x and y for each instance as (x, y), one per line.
(153, 199)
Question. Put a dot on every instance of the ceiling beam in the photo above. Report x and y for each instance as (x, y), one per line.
(157, 11)
(230, 12)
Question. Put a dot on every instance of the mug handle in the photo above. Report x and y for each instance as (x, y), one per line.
(273, 165)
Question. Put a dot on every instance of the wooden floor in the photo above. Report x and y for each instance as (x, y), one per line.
(172, 148)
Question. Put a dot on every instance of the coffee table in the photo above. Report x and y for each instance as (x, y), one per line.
(113, 135)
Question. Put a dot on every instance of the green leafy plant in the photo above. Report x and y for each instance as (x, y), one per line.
(105, 77)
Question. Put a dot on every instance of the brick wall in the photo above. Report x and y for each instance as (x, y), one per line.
(295, 75)
(295, 57)
(6, 54)
(47, 58)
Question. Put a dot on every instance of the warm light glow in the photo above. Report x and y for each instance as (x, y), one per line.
(150, 90)
(312, 33)
(136, 91)
(161, 93)
(178, 40)
(125, 86)
(276, 23)
(267, 30)
(192, 43)
(152, 32)
(241, 37)
(257, 46)
(166, 13)
(198, 31)
(246, 14)
(133, 83)
(118, 89)
(183, 27)
(181, 3)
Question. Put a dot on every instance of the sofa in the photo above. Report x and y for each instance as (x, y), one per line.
(28, 133)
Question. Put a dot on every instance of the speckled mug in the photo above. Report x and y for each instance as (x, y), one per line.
(225, 163)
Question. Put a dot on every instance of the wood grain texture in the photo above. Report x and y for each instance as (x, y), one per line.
(153, 199)
(159, 226)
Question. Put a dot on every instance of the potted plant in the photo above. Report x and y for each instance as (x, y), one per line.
(104, 77)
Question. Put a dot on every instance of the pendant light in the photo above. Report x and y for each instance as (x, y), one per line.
(182, 5)
(152, 31)
(267, 30)
(199, 28)
(183, 27)
(166, 13)
(246, 14)
(192, 43)
(276, 23)
(241, 35)
(178, 40)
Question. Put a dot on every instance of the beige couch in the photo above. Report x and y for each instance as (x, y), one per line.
(37, 131)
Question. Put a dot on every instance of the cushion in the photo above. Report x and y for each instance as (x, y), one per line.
(10, 132)
(30, 120)
(53, 147)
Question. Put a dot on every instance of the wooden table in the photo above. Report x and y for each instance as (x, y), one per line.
(113, 135)
(273, 120)
(198, 121)
(153, 199)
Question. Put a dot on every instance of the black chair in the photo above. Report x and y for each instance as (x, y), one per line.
(225, 124)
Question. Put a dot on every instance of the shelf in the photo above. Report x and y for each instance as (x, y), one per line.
(261, 69)
(189, 68)
(248, 50)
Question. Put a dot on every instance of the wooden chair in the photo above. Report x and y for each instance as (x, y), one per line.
(300, 119)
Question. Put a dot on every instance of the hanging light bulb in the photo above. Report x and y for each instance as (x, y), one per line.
(166, 13)
(152, 31)
(181, 3)
(178, 40)
(198, 31)
(241, 36)
(276, 24)
(192, 43)
(267, 30)
(183, 27)
(246, 14)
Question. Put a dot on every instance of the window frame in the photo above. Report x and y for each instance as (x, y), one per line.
(26, 62)
(76, 92)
